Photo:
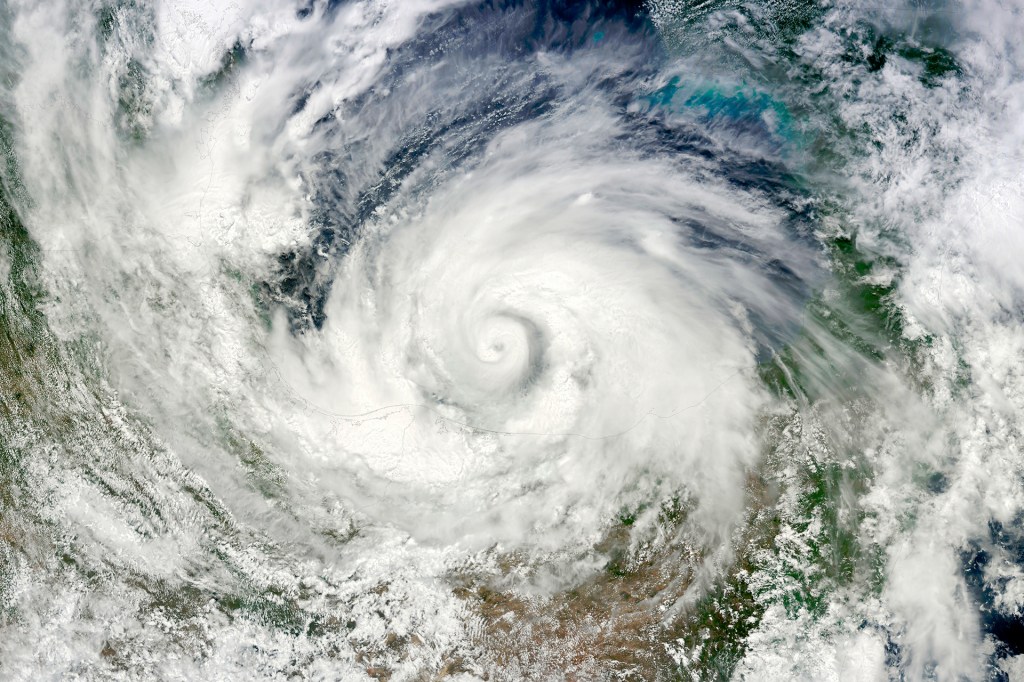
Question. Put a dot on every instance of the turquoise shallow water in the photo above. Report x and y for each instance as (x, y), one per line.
(526, 340)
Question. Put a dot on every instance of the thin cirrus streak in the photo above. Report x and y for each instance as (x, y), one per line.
(511, 340)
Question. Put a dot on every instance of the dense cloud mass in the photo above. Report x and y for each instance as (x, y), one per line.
(511, 340)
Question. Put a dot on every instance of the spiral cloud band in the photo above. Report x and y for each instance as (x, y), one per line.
(510, 340)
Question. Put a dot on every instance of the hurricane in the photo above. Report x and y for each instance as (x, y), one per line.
(511, 340)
